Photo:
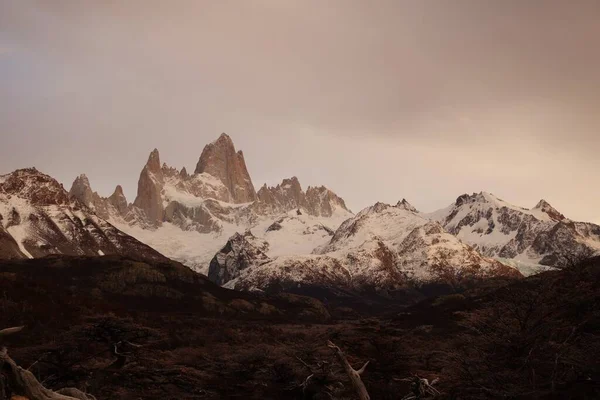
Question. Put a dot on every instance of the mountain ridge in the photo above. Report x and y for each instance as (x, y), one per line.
(540, 235)
(216, 201)
(193, 218)
(40, 217)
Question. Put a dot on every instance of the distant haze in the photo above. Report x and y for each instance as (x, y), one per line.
(378, 100)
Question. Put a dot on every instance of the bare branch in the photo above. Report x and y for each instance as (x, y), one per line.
(353, 374)
(360, 371)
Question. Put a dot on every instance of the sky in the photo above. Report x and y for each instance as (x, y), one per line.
(377, 100)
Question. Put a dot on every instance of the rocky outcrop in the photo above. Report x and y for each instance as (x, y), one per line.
(237, 255)
(285, 273)
(219, 159)
(429, 251)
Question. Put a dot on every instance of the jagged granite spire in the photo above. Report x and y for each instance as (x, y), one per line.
(82, 190)
(150, 187)
(220, 160)
(118, 200)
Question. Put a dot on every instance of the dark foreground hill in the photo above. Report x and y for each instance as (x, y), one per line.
(125, 329)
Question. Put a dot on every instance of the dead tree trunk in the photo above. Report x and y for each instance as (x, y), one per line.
(353, 374)
(24, 383)
(18, 381)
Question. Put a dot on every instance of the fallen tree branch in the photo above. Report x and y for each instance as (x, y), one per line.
(353, 374)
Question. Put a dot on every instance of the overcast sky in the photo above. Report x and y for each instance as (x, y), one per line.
(378, 100)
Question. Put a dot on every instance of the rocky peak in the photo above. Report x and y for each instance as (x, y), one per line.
(220, 160)
(118, 200)
(150, 186)
(544, 206)
(481, 197)
(118, 192)
(288, 196)
(153, 164)
(239, 253)
(291, 184)
(405, 205)
(323, 202)
(462, 199)
(40, 189)
(184, 174)
(293, 189)
(378, 207)
(82, 190)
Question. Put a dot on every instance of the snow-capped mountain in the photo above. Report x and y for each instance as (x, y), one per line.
(382, 247)
(38, 217)
(217, 223)
(189, 217)
(523, 237)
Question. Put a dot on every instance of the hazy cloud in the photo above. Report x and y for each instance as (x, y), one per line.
(378, 100)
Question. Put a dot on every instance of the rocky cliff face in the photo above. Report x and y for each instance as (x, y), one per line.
(239, 253)
(540, 235)
(220, 160)
(40, 218)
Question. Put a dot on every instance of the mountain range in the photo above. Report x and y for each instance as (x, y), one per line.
(217, 223)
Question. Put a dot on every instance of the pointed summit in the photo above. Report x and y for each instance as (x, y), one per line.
(405, 205)
(153, 163)
(223, 138)
(220, 160)
(82, 190)
(150, 186)
(118, 200)
(118, 191)
(544, 206)
(184, 174)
